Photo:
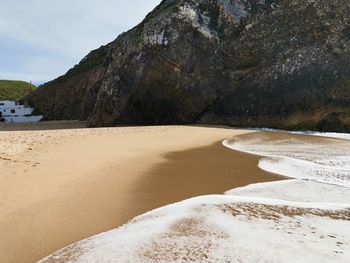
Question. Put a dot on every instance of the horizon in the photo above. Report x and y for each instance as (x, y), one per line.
(40, 41)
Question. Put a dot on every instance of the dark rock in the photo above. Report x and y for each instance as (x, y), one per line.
(273, 63)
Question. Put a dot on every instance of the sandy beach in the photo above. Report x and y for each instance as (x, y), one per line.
(308, 214)
(60, 186)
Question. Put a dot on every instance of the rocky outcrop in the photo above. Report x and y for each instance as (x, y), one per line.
(275, 63)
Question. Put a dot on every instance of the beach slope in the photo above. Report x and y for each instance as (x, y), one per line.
(60, 186)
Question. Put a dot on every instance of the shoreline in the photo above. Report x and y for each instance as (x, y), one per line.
(77, 183)
(206, 170)
(308, 216)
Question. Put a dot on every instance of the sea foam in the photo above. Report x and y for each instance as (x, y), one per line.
(328, 161)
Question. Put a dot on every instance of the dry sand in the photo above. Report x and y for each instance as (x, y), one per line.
(60, 186)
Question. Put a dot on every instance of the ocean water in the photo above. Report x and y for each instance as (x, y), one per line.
(322, 160)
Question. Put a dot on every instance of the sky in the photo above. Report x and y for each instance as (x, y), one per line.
(41, 39)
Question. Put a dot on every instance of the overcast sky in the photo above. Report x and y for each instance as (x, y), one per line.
(42, 39)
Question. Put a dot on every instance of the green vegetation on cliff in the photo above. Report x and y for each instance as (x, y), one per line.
(93, 59)
(14, 90)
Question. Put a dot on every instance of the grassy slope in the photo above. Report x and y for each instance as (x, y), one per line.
(14, 90)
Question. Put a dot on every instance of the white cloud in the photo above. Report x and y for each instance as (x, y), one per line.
(61, 32)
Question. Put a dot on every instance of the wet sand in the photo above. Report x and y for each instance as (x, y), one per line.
(76, 183)
(206, 170)
(40, 126)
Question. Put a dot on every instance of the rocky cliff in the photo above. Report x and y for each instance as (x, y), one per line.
(275, 63)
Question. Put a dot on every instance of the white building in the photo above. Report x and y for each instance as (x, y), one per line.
(11, 111)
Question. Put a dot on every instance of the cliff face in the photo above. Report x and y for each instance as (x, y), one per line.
(73, 95)
(276, 63)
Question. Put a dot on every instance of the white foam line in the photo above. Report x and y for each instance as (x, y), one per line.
(296, 190)
(343, 136)
(276, 156)
(295, 168)
(227, 199)
(336, 135)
